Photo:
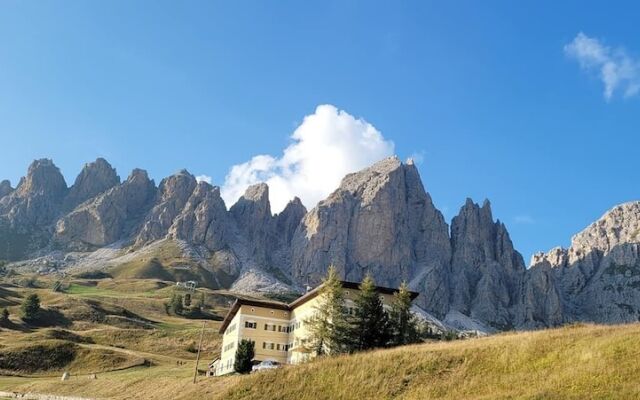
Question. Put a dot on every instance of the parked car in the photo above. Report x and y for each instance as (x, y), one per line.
(266, 364)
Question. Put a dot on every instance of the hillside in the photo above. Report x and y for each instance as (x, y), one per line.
(575, 362)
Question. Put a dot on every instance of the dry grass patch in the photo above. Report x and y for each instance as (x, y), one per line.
(570, 363)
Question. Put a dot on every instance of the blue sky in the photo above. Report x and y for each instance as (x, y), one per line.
(486, 93)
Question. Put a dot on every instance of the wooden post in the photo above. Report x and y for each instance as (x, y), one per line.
(195, 373)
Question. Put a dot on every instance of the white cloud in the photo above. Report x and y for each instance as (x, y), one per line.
(329, 144)
(417, 157)
(524, 219)
(617, 69)
(203, 178)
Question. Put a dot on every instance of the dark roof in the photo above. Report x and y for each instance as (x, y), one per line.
(296, 303)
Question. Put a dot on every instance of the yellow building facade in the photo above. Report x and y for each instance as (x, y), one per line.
(277, 329)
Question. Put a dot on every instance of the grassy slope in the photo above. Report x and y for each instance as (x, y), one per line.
(571, 363)
(106, 343)
(574, 362)
(580, 362)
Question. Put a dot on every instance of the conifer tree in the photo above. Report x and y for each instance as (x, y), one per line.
(244, 356)
(370, 322)
(30, 307)
(328, 327)
(404, 327)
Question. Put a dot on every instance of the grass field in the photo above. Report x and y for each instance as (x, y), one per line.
(155, 360)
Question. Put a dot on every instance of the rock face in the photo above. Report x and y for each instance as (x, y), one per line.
(252, 214)
(486, 270)
(95, 178)
(174, 194)
(204, 220)
(379, 221)
(36, 201)
(596, 279)
(108, 217)
(5, 188)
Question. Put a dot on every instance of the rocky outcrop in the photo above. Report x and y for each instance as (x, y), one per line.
(204, 219)
(288, 220)
(94, 179)
(486, 270)
(109, 217)
(5, 188)
(379, 221)
(36, 201)
(174, 192)
(597, 278)
(252, 214)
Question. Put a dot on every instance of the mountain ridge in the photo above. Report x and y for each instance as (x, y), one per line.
(380, 220)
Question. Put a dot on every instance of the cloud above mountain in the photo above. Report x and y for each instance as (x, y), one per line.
(617, 70)
(329, 144)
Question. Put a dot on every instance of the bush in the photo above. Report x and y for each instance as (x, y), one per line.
(5, 316)
(191, 348)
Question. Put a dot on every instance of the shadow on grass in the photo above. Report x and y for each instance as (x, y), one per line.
(48, 318)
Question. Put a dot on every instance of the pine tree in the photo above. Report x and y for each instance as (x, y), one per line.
(328, 327)
(30, 307)
(244, 356)
(404, 327)
(370, 322)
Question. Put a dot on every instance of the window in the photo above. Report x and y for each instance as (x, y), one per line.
(269, 346)
(231, 329)
(250, 324)
(229, 346)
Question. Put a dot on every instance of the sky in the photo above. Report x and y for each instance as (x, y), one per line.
(533, 106)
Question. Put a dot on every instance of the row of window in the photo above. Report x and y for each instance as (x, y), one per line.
(277, 346)
(229, 346)
(231, 328)
(273, 327)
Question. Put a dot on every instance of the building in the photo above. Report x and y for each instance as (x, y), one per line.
(277, 329)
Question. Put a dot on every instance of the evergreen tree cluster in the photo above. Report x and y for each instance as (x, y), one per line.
(336, 329)
(184, 305)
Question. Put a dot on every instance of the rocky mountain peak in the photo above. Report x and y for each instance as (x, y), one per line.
(43, 177)
(5, 188)
(95, 178)
(253, 206)
(179, 186)
(174, 194)
(486, 270)
(288, 220)
(619, 225)
(367, 182)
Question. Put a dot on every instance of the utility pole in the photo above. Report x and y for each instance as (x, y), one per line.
(195, 373)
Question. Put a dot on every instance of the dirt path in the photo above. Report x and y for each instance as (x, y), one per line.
(37, 396)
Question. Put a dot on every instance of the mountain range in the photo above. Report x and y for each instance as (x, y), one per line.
(379, 220)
